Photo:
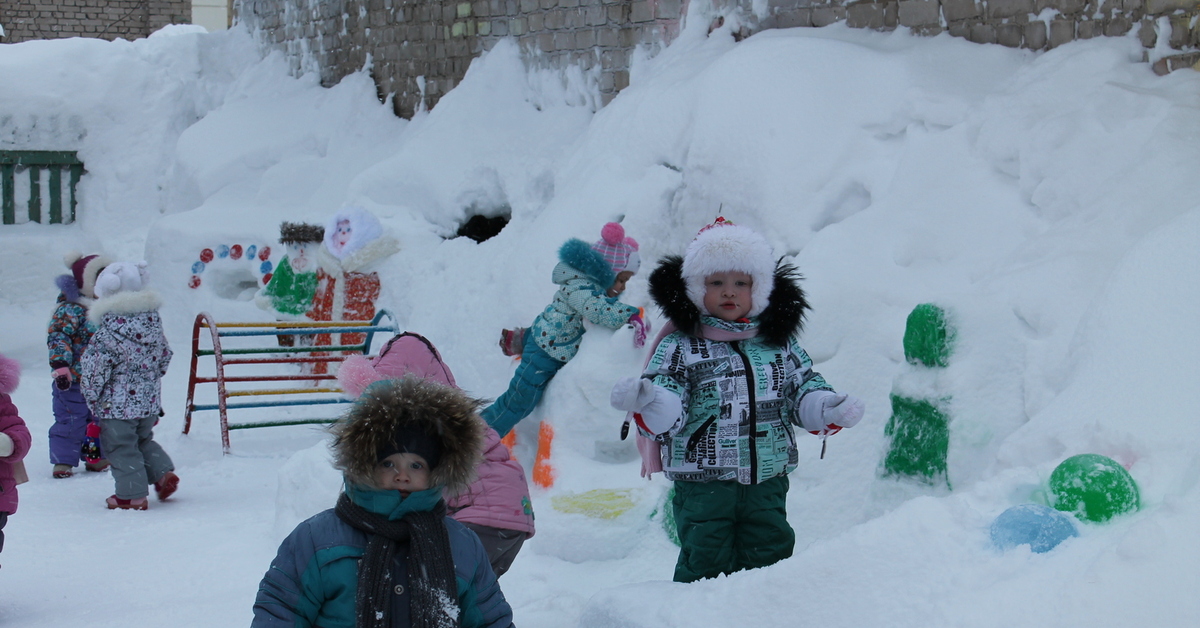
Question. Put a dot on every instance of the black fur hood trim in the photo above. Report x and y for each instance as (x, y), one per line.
(780, 320)
(446, 414)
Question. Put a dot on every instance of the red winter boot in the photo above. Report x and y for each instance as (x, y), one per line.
(166, 485)
(115, 502)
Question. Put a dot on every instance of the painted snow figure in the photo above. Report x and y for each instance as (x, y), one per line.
(496, 505)
(387, 555)
(67, 336)
(590, 279)
(293, 285)
(719, 395)
(1040, 527)
(14, 442)
(346, 287)
(121, 378)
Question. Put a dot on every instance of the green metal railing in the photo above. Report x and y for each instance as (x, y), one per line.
(56, 164)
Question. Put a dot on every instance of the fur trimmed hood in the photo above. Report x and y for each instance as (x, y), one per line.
(124, 303)
(582, 257)
(781, 318)
(446, 414)
(10, 375)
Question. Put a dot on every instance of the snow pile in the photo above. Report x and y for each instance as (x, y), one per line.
(1045, 199)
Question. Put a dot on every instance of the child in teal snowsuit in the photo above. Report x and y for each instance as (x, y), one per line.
(590, 279)
(720, 394)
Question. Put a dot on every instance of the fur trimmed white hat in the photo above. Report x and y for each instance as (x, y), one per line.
(121, 277)
(722, 247)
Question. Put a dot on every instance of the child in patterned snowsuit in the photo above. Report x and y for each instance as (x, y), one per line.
(719, 397)
(66, 338)
(387, 555)
(122, 376)
(590, 279)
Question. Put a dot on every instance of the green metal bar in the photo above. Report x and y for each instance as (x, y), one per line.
(330, 348)
(243, 426)
(76, 172)
(39, 158)
(56, 196)
(35, 194)
(7, 205)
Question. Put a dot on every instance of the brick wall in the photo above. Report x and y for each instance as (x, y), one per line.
(434, 40)
(24, 20)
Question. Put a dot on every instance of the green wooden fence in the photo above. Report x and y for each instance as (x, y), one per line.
(57, 165)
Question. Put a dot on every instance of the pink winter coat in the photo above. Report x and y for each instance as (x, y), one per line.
(499, 497)
(11, 424)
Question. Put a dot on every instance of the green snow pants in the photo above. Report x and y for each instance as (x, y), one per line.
(726, 527)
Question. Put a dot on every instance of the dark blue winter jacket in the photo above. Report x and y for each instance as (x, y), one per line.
(314, 578)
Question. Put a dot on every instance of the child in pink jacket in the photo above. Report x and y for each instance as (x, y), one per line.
(496, 505)
(14, 442)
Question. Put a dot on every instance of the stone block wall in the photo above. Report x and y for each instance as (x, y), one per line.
(420, 49)
(25, 20)
(1033, 24)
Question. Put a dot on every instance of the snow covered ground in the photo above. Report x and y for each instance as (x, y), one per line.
(1046, 199)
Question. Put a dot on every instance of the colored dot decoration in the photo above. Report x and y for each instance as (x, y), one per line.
(233, 252)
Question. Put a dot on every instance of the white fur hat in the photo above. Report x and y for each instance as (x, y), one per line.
(121, 277)
(722, 247)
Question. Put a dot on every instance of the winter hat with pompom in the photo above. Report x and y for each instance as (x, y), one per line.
(722, 247)
(121, 277)
(82, 279)
(619, 251)
(406, 354)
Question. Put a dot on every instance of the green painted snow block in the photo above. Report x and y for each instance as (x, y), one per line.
(927, 336)
(920, 441)
(1093, 487)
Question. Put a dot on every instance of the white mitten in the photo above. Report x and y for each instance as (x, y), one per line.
(631, 394)
(6, 445)
(842, 410)
(824, 410)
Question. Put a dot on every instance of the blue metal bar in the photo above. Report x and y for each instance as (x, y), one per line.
(271, 404)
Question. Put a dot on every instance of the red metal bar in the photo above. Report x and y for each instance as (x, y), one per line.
(330, 358)
(187, 415)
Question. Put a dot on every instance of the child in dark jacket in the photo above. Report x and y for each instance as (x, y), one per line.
(68, 335)
(719, 396)
(590, 279)
(387, 555)
(122, 376)
(14, 442)
(496, 505)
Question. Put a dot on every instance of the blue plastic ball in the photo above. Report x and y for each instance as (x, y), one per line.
(223, 251)
(197, 267)
(1035, 525)
(264, 268)
(251, 251)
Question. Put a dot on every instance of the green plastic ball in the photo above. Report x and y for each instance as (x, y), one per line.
(1093, 487)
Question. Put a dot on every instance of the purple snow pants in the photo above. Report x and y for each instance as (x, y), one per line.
(71, 416)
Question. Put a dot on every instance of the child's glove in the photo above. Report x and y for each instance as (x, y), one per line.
(655, 408)
(62, 378)
(641, 328)
(6, 445)
(827, 412)
(90, 449)
(631, 394)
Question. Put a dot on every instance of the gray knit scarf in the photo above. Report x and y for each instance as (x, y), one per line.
(432, 587)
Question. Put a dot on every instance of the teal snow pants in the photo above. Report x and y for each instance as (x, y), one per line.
(726, 527)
